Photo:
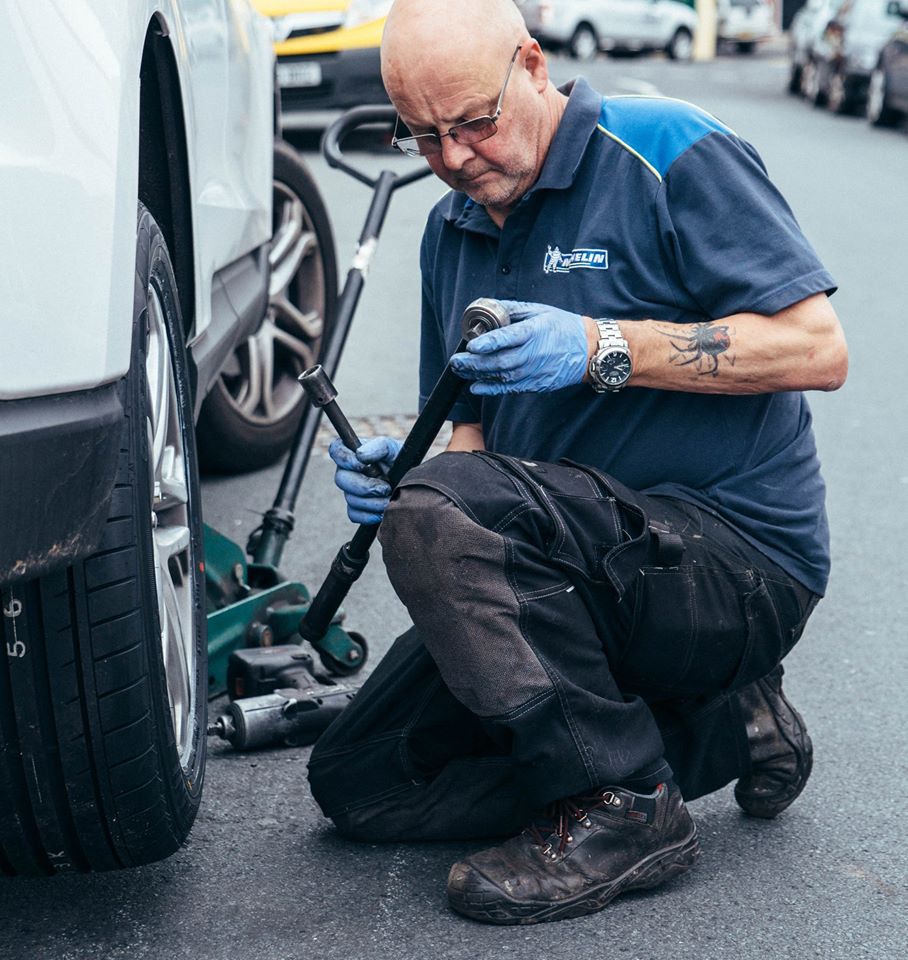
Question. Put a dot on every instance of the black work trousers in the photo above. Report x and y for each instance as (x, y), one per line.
(569, 634)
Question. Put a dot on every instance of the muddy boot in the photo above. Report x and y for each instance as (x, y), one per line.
(780, 749)
(586, 852)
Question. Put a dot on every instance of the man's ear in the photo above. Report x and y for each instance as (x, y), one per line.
(536, 66)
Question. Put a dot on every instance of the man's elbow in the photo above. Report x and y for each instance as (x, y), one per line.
(833, 370)
(827, 356)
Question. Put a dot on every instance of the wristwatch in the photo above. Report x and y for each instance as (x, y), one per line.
(610, 366)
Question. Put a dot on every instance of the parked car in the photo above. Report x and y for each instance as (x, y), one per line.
(328, 53)
(807, 26)
(142, 247)
(745, 23)
(584, 27)
(887, 91)
(847, 53)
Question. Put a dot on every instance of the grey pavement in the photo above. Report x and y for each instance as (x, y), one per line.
(264, 876)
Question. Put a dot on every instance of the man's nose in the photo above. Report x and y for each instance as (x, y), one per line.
(455, 154)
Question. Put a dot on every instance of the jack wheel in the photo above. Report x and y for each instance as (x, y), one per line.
(345, 668)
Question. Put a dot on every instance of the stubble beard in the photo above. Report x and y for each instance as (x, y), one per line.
(502, 187)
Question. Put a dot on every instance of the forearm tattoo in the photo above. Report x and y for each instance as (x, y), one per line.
(702, 346)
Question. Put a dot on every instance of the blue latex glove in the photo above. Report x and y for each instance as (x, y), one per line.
(544, 349)
(366, 497)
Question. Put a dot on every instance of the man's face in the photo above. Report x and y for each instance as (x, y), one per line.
(495, 172)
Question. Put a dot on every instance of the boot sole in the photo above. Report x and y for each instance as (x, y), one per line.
(493, 907)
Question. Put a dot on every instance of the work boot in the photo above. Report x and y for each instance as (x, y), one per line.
(585, 852)
(780, 749)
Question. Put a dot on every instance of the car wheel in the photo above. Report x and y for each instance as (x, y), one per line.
(838, 97)
(584, 44)
(746, 46)
(812, 84)
(103, 687)
(794, 80)
(250, 416)
(681, 45)
(879, 113)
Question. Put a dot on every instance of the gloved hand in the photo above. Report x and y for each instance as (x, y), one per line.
(544, 349)
(366, 497)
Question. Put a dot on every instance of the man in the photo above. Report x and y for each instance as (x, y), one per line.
(627, 534)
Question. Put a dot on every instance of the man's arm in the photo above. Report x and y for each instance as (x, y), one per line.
(466, 437)
(800, 348)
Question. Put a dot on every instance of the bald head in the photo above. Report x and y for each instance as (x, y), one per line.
(444, 64)
(432, 39)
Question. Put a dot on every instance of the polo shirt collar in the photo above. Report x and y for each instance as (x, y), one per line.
(560, 167)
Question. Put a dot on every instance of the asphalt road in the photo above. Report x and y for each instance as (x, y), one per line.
(265, 876)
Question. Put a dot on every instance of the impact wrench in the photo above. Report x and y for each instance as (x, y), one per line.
(277, 695)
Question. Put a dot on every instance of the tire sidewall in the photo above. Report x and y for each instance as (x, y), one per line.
(154, 269)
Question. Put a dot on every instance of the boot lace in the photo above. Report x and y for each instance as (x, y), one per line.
(555, 825)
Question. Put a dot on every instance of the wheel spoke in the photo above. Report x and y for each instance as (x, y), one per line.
(309, 323)
(283, 271)
(251, 396)
(298, 347)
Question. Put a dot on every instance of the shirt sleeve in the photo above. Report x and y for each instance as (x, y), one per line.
(433, 349)
(735, 242)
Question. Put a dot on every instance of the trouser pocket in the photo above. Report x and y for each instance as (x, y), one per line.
(696, 631)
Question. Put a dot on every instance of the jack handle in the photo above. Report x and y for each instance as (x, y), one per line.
(351, 120)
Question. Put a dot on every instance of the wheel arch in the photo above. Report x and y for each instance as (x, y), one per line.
(164, 185)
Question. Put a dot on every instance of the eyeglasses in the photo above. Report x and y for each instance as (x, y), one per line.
(468, 131)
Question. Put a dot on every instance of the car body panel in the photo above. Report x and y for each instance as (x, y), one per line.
(745, 21)
(619, 24)
(894, 61)
(328, 54)
(69, 152)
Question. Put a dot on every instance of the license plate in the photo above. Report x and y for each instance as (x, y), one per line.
(299, 74)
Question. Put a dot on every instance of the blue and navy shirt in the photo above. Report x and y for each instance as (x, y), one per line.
(645, 208)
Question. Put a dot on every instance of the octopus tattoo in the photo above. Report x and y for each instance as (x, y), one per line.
(702, 346)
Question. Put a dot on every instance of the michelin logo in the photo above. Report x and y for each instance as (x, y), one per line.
(577, 259)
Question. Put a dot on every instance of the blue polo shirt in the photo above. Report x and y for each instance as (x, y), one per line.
(645, 208)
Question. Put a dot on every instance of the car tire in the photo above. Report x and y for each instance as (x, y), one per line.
(879, 113)
(250, 416)
(103, 687)
(584, 43)
(681, 45)
(839, 98)
(812, 84)
(794, 80)
(746, 46)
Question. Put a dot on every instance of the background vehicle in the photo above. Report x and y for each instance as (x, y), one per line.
(745, 23)
(138, 254)
(887, 91)
(846, 54)
(807, 26)
(328, 53)
(585, 27)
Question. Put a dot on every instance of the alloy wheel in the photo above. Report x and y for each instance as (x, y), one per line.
(260, 380)
(171, 540)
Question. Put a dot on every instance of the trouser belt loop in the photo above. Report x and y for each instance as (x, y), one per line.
(668, 547)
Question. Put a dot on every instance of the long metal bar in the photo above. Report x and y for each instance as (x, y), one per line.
(353, 556)
(278, 521)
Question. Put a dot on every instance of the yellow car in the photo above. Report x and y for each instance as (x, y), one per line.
(327, 53)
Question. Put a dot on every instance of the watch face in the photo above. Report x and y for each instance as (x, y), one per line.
(613, 368)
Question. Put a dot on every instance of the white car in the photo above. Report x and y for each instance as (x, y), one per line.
(584, 27)
(154, 245)
(745, 23)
